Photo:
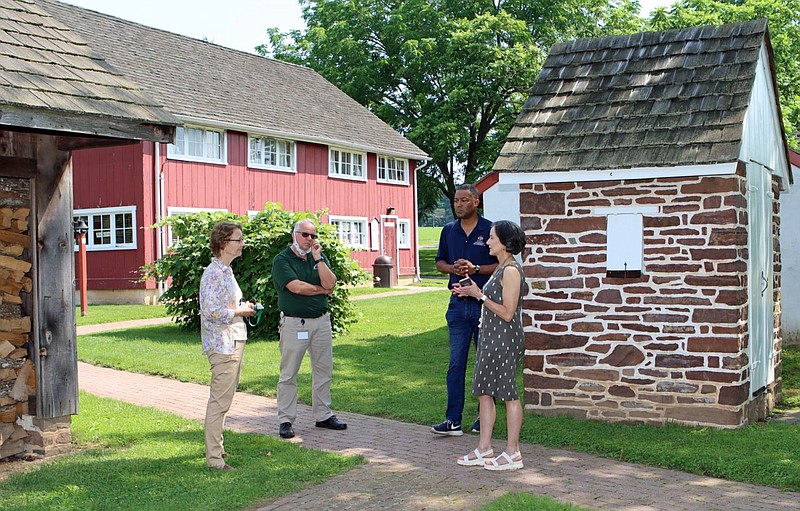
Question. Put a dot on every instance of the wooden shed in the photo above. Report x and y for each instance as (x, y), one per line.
(56, 96)
(646, 171)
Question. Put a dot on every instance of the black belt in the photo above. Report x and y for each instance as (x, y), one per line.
(304, 317)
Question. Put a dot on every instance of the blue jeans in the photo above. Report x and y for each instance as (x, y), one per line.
(463, 316)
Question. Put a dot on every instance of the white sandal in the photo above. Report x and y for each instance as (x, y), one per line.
(479, 459)
(513, 462)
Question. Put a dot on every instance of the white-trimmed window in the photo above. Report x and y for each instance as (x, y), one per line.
(109, 228)
(403, 233)
(625, 239)
(172, 237)
(392, 170)
(271, 153)
(347, 165)
(352, 231)
(195, 143)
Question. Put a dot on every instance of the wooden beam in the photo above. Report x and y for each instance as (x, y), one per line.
(54, 335)
(81, 124)
(18, 167)
(72, 143)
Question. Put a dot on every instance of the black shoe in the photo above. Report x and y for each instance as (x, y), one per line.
(332, 423)
(476, 426)
(447, 428)
(286, 430)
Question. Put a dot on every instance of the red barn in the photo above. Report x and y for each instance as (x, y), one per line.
(255, 130)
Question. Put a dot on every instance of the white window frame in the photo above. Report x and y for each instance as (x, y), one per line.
(403, 233)
(387, 164)
(174, 211)
(180, 149)
(90, 214)
(625, 238)
(375, 234)
(363, 243)
(292, 153)
(335, 164)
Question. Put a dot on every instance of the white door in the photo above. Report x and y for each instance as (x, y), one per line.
(761, 308)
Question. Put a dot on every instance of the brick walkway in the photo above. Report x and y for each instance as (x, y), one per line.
(409, 468)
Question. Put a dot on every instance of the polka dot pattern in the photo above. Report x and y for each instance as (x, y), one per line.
(500, 345)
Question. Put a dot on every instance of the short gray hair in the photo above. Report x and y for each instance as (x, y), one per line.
(307, 220)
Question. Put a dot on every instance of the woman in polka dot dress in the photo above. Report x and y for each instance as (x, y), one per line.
(500, 348)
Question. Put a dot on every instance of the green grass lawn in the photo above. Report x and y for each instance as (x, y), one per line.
(96, 314)
(393, 364)
(429, 235)
(790, 358)
(142, 459)
(517, 501)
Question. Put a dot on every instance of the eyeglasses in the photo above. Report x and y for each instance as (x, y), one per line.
(307, 234)
(240, 240)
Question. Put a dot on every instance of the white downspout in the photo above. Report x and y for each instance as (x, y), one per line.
(416, 217)
(159, 208)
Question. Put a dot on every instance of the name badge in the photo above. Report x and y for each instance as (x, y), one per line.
(302, 335)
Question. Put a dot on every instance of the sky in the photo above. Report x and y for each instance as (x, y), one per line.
(241, 24)
(238, 24)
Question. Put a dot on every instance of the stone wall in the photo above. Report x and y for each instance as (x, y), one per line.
(670, 345)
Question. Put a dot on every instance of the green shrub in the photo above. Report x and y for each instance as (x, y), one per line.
(268, 233)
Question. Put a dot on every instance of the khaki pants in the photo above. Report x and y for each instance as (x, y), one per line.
(298, 336)
(225, 371)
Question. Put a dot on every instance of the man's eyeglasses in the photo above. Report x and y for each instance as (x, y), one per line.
(307, 234)
(237, 240)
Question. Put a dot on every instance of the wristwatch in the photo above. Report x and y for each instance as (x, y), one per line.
(477, 269)
(320, 260)
(482, 299)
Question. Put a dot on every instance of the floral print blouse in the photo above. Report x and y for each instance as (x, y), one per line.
(219, 296)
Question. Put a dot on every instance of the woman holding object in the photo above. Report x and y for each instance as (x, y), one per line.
(500, 348)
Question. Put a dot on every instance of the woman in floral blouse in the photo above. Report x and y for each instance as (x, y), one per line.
(223, 332)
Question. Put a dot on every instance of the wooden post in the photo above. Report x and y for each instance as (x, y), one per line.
(55, 354)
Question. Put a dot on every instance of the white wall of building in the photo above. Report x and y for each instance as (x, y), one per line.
(790, 260)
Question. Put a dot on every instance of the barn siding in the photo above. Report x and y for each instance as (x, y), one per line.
(124, 176)
(670, 345)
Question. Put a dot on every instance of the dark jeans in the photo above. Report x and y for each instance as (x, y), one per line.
(462, 316)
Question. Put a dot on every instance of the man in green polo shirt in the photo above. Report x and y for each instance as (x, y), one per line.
(303, 280)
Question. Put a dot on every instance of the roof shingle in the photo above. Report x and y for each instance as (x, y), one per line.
(643, 100)
(196, 79)
(48, 71)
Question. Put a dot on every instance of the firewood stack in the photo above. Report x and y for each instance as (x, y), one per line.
(17, 375)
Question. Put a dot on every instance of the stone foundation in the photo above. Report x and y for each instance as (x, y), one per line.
(47, 437)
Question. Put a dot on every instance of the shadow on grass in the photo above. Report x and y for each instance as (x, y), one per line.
(145, 464)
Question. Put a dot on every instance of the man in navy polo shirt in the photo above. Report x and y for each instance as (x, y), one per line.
(463, 252)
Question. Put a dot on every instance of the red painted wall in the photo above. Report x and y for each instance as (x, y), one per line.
(111, 177)
(124, 176)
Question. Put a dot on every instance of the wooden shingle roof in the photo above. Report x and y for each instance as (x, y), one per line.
(652, 99)
(51, 80)
(215, 85)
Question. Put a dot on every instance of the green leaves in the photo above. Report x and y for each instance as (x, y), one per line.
(784, 27)
(267, 233)
(451, 75)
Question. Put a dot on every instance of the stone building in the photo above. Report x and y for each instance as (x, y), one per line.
(646, 171)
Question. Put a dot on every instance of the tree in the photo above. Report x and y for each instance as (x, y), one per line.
(784, 27)
(267, 233)
(451, 75)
